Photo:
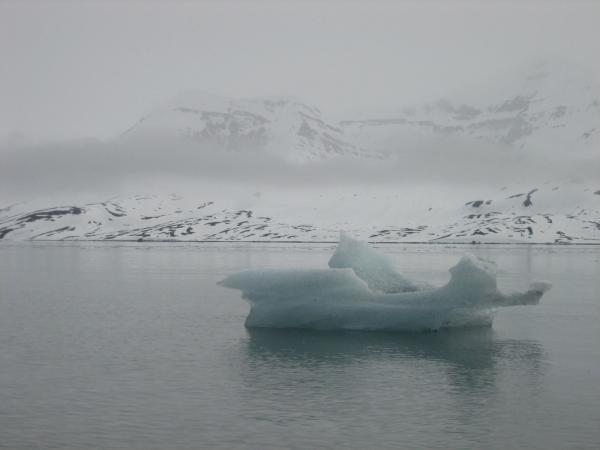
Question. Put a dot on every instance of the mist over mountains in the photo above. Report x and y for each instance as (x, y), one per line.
(543, 109)
(451, 169)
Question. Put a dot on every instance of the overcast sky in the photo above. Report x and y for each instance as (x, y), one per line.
(74, 69)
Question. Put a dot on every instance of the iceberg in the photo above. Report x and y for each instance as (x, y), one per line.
(362, 291)
(369, 265)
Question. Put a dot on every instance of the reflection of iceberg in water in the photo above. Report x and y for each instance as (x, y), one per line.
(469, 358)
(362, 291)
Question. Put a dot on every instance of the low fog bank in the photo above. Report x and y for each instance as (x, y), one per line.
(82, 168)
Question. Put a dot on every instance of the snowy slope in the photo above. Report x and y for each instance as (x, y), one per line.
(552, 213)
(411, 196)
(549, 106)
(282, 126)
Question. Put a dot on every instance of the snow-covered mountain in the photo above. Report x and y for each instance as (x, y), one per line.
(545, 107)
(282, 126)
(406, 196)
(565, 213)
(548, 107)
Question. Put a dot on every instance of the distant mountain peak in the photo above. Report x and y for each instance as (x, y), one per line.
(546, 104)
(282, 125)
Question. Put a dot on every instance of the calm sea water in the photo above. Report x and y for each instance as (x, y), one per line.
(134, 346)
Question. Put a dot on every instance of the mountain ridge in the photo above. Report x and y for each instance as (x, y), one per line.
(430, 181)
(548, 214)
(546, 106)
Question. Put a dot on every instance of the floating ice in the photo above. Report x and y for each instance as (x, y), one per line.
(374, 268)
(368, 294)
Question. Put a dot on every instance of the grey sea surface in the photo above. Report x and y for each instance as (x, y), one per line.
(123, 345)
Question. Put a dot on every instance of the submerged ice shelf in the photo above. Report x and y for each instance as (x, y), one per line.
(362, 291)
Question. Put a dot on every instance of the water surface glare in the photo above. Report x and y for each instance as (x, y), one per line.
(113, 345)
